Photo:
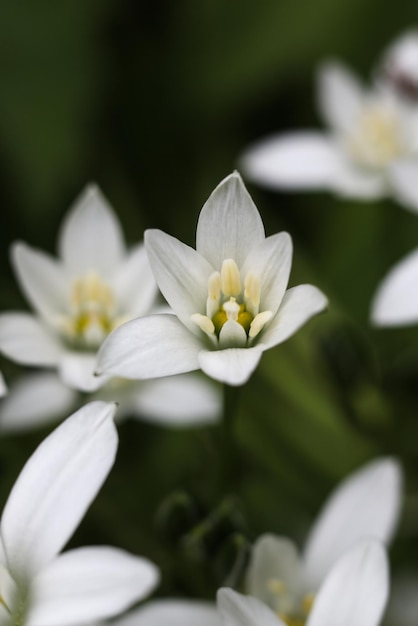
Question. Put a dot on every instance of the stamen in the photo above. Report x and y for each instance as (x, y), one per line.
(232, 309)
(204, 323)
(259, 322)
(276, 586)
(214, 294)
(230, 278)
(307, 603)
(252, 291)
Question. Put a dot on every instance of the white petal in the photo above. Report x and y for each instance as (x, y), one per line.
(396, 300)
(42, 279)
(404, 181)
(238, 610)
(298, 306)
(233, 366)
(35, 400)
(88, 584)
(366, 504)
(77, 371)
(181, 273)
(351, 181)
(149, 347)
(3, 386)
(271, 261)
(340, 96)
(55, 488)
(399, 67)
(275, 561)
(172, 613)
(183, 400)
(299, 160)
(355, 591)
(25, 340)
(91, 237)
(229, 223)
(134, 283)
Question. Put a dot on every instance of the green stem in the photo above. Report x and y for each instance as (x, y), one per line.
(229, 456)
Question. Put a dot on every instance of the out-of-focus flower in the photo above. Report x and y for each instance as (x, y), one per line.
(366, 504)
(94, 286)
(396, 300)
(40, 398)
(398, 69)
(39, 587)
(370, 132)
(229, 296)
(353, 594)
(172, 613)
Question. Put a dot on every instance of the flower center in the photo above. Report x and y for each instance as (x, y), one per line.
(377, 139)
(290, 613)
(232, 313)
(92, 312)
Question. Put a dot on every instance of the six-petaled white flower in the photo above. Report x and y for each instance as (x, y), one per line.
(372, 133)
(94, 286)
(366, 504)
(354, 593)
(229, 296)
(39, 587)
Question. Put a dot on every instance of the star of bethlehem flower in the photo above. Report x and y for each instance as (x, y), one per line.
(372, 134)
(179, 401)
(354, 593)
(94, 286)
(39, 586)
(229, 296)
(364, 505)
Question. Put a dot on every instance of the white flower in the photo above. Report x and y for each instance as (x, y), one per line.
(172, 613)
(94, 286)
(353, 594)
(396, 300)
(39, 587)
(370, 132)
(398, 69)
(365, 505)
(229, 296)
(40, 398)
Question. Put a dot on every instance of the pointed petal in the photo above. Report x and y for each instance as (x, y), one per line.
(396, 300)
(86, 584)
(403, 177)
(76, 369)
(366, 504)
(149, 347)
(134, 283)
(42, 279)
(355, 591)
(183, 400)
(298, 306)
(56, 487)
(35, 400)
(238, 610)
(229, 223)
(91, 236)
(173, 613)
(299, 160)
(181, 273)
(271, 261)
(25, 340)
(275, 561)
(233, 366)
(340, 96)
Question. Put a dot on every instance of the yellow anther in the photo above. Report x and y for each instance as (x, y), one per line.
(259, 322)
(230, 278)
(290, 621)
(204, 323)
(252, 291)
(276, 586)
(307, 603)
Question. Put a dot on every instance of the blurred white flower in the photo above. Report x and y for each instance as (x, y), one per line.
(370, 132)
(396, 300)
(366, 504)
(229, 296)
(94, 286)
(353, 594)
(398, 69)
(172, 613)
(41, 398)
(38, 586)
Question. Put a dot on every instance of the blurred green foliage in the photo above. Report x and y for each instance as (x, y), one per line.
(155, 101)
